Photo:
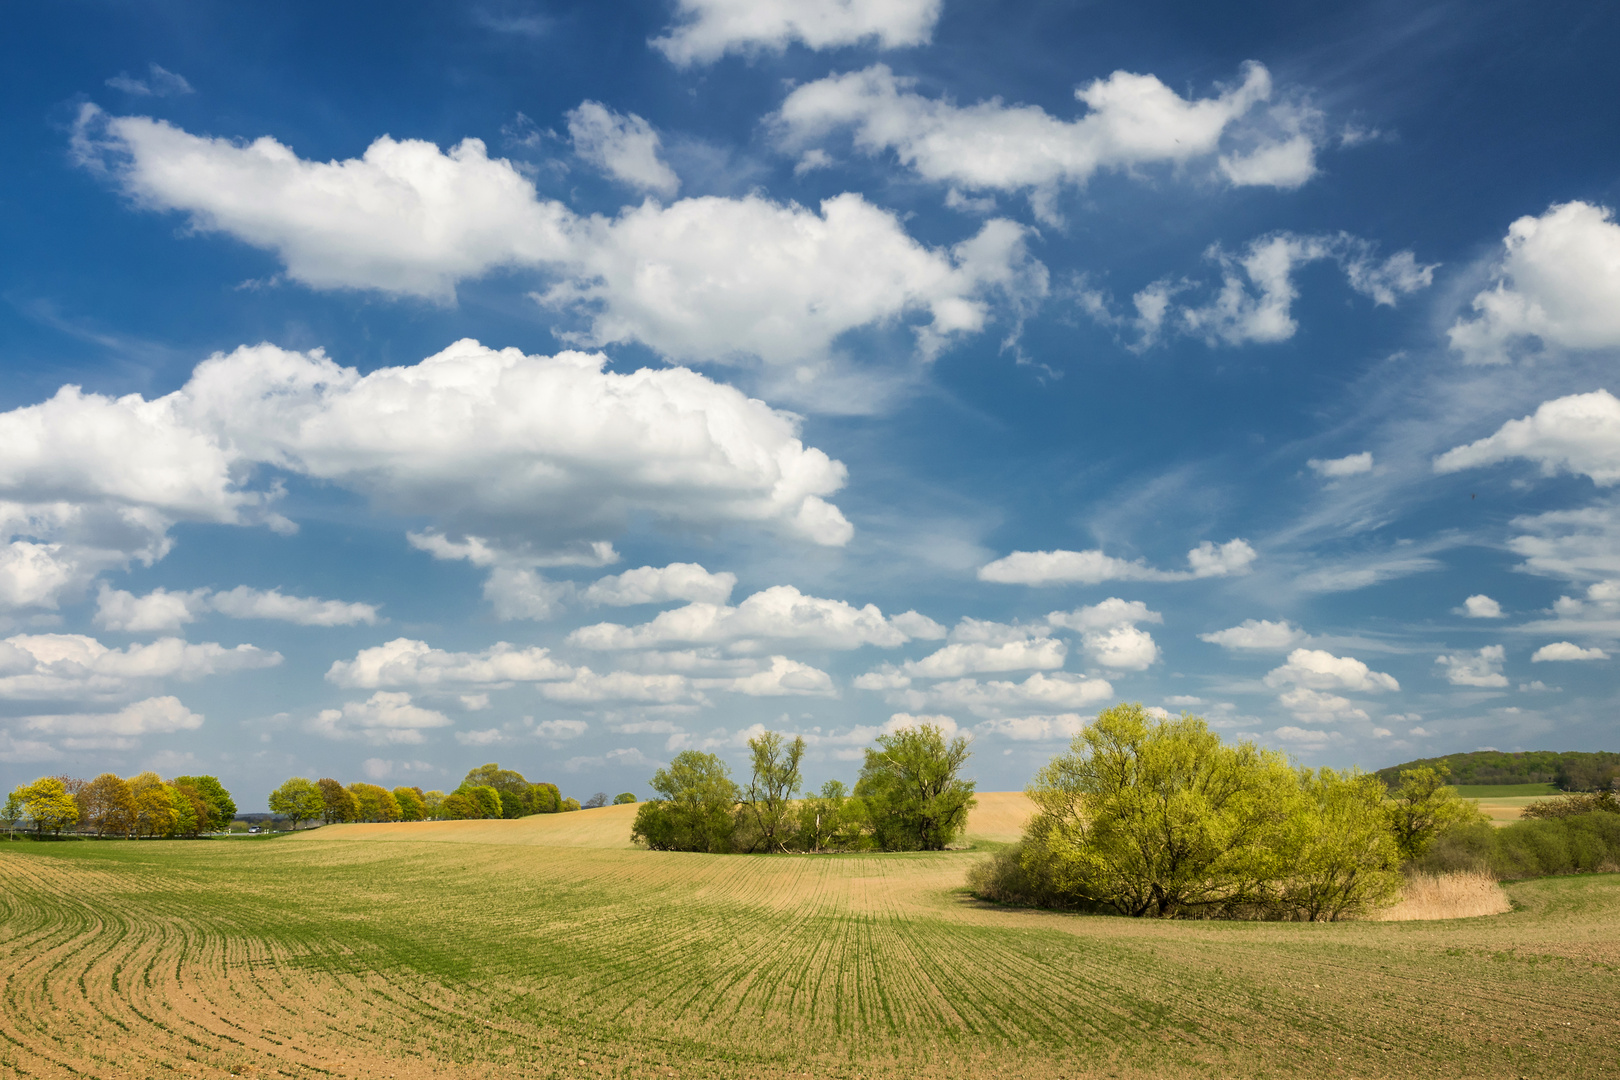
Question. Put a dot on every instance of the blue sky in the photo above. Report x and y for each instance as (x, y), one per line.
(391, 389)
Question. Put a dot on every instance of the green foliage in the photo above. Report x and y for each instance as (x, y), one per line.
(412, 806)
(832, 820)
(623, 798)
(486, 801)
(48, 805)
(190, 812)
(298, 800)
(1570, 770)
(1423, 807)
(457, 807)
(545, 799)
(767, 808)
(1343, 859)
(1160, 817)
(697, 810)
(221, 807)
(155, 813)
(13, 811)
(433, 803)
(570, 804)
(1536, 847)
(374, 803)
(912, 786)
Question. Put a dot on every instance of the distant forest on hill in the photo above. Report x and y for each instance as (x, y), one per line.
(1571, 770)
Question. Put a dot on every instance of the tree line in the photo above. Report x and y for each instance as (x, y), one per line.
(1572, 770)
(488, 791)
(145, 806)
(910, 796)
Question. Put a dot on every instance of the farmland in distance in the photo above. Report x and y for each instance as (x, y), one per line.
(549, 947)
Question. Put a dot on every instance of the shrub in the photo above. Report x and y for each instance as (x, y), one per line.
(1009, 877)
(1571, 805)
(1536, 847)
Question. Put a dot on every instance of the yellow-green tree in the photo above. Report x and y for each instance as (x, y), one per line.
(155, 813)
(47, 803)
(1344, 859)
(913, 787)
(1158, 816)
(221, 808)
(767, 805)
(1422, 807)
(411, 805)
(298, 800)
(374, 803)
(190, 811)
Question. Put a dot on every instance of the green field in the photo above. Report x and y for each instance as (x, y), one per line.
(1506, 791)
(547, 947)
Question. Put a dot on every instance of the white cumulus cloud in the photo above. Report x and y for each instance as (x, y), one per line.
(1110, 634)
(702, 280)
(1255, 301)
(1258, 635)
(1131, 121)
(1482, 668)
(1577, 434)
(624, 147)
(385, 717)
(1566, 650)
(161, 610)
(154, 716)
(586, 687)
(1093, 567)
(1039, 693)
(1317, 669)
(782, 678)
(708, 29)
(659, 584)
(779, 613)
(1480, 606)
(1558, 281)
(74, 666)
(407, 662)
(515, 460)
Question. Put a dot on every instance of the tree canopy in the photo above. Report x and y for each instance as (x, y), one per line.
(913, 788)
(298, 800)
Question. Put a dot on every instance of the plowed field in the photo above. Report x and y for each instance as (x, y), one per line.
(549, 948)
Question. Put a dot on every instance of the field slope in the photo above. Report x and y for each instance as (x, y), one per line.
(548, 947)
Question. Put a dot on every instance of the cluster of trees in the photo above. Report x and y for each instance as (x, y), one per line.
(1161, 817)
(488, 791)
(1571, 770)
(910, 797)
(144, 806)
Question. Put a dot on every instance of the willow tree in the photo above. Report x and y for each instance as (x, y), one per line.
(767, 802)
(912, 785)
(1158, 816)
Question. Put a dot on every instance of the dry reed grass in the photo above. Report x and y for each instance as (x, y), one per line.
(1465, 894)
